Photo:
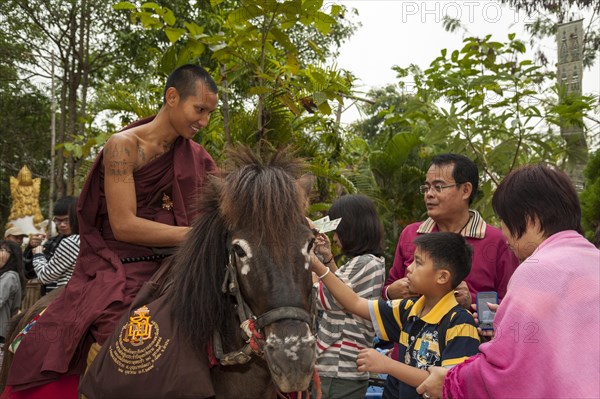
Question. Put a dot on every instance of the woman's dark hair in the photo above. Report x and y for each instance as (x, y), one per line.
(360, 230)
(537, 192)
(464, 171)
(184, 80)
(14, 262)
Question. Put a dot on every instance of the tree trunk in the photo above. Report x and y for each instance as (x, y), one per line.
(225, 107)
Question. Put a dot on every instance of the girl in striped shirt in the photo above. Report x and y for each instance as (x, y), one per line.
(341, 335)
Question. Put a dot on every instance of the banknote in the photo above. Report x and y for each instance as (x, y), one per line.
(324, 225)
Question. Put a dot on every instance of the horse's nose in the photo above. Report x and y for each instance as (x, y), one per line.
(290, 351)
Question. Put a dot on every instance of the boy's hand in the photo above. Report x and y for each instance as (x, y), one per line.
(372, 361)
(399, 290)
(484, 333)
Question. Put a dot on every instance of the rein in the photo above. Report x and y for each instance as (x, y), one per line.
(250, 324)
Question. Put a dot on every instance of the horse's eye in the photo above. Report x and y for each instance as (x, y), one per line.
(239, 251)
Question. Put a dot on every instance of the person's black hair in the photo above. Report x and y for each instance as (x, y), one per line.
(464, 171)
(448, 251)
(360, 231)
(537, 192)
(184, 80)
(14, 262)
(63, 205)
(73, 221)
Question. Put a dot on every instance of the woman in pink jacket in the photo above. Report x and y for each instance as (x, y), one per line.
(546, 341)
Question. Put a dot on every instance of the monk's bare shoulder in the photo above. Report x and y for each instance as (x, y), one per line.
(120, 155)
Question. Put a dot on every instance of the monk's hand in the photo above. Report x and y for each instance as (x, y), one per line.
(433, 385)
(372, 361)
(463, 295)
(484, 333)
(399, 289)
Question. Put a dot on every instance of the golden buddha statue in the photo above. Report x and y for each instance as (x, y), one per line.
(25, 193)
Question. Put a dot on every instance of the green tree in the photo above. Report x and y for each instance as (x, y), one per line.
(546, 14)
(24, 138)
(270, 59)
(72, 42)
(590, 197)
(488, 103)
(390, 161)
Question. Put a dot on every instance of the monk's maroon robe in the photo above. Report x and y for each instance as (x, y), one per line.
(102, 287)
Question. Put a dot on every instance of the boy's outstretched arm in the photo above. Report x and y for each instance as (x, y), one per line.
(340, 291)
(373, 361)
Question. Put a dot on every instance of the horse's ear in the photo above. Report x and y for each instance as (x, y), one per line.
(305, 184)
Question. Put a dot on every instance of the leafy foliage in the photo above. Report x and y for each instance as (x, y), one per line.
(590, 197)
(547, 13)
(487, 103)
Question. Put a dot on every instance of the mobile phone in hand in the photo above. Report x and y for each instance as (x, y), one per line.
(484, 314)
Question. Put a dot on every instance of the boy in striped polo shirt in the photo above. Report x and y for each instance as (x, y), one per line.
(433, 331)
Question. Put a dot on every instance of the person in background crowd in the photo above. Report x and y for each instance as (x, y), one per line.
(61, 220)
(58, 269)
(15, 234)
(12, 283)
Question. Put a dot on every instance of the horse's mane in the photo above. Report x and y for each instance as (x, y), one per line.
(255, 192)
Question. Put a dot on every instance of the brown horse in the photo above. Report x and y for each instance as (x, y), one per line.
(245, 262)
(258, 229)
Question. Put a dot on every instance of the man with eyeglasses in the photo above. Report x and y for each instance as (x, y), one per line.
(450, 187)
(61, 220)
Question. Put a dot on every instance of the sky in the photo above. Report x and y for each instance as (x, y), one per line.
(396, 32)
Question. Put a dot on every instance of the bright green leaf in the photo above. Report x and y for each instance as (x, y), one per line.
(123, 5)
(173, 34)
(152, 6)
(194, 28)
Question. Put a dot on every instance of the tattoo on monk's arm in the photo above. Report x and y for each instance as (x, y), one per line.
(120, 171)
(141, 152)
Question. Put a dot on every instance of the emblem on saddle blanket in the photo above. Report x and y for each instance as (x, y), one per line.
(139, 344)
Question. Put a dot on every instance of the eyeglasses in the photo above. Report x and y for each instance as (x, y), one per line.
(424, 189)
(61, 220)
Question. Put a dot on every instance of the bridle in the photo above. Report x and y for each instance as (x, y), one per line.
(251, 325)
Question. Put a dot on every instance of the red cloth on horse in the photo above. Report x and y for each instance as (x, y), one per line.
(101, 287)
(63, 388)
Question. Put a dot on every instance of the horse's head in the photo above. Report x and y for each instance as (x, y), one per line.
(264, 243)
